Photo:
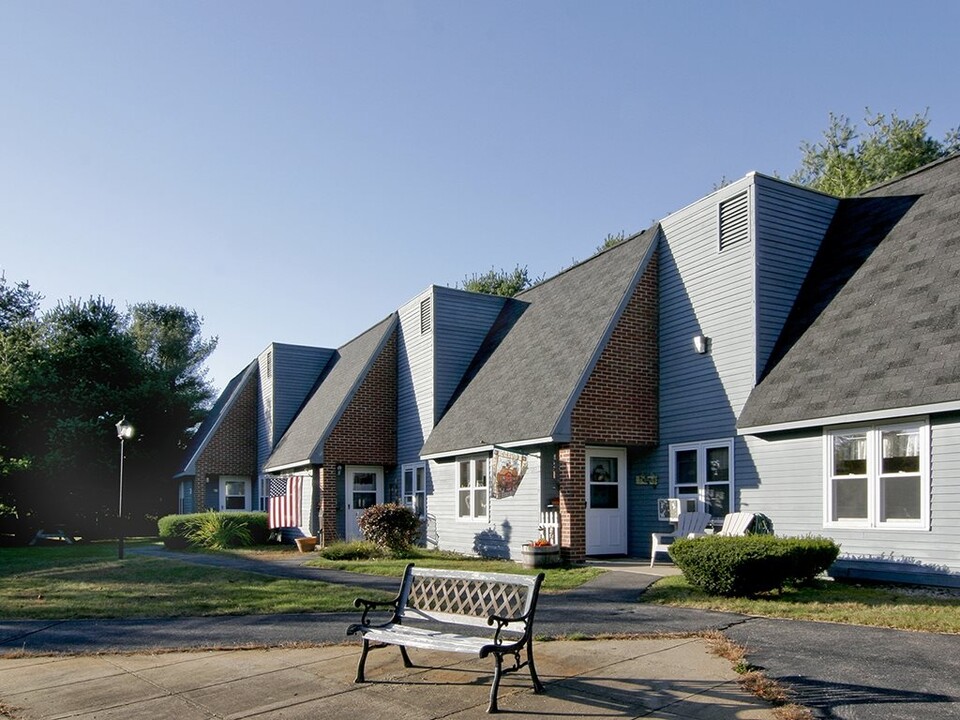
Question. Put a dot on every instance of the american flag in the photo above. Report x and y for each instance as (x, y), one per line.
(284, 510)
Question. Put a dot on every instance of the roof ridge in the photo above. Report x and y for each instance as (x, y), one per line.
(911, 173)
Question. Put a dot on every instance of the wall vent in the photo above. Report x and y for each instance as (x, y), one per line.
(734, 220)
(425, 316)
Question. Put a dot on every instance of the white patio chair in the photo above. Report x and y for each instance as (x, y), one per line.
(735, 524)
(689, 524)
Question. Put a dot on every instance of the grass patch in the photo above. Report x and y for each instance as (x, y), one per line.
(556, 579)
(88, 581)
(826, 601)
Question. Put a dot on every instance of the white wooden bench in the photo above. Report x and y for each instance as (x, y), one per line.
(432, 602)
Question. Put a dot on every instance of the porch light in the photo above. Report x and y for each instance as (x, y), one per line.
(702, 343)
(124, 432)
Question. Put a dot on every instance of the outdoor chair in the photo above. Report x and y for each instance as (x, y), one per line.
(735, 524)
(689, 524)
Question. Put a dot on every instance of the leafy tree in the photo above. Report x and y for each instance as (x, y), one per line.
(502, 282)
(845, 163)
(612, 240)
(66, 378)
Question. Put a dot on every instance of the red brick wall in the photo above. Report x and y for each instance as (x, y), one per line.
(618, 405)
(366, 433)
(232, 450)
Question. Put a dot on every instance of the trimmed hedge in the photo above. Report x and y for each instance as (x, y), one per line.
(176, 530)
(736, 566)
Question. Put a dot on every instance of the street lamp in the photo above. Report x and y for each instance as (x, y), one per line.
(124, 432)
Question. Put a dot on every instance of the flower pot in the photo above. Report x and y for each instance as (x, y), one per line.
(540, 557)
(306, 544)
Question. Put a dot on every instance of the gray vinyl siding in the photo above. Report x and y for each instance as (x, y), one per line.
(511, 522)
(283, 388)
(462, 320)
(790, 223)
(415, 380)
(791, 493)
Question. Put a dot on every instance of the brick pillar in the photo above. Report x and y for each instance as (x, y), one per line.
(328, 504)
(571, 461)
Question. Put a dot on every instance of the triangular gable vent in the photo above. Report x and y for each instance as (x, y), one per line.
(734, 220)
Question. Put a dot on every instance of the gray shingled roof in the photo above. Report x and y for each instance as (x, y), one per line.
(538, 353)
(302, 443)
(213, 418)
(876, 325)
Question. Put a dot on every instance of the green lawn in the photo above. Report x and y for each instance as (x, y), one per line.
(88, 581)
(826, 601)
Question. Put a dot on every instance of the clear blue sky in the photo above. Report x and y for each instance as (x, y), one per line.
(295, 171)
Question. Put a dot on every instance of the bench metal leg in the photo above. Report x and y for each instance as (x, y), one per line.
(537, 685)
(406, 658)
(498, 660)
(363, 660)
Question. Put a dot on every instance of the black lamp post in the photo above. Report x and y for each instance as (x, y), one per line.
(124, 432)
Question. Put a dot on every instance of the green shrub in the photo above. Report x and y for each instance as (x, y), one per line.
(391, 526)
(178, 531)
(218, 531)
(736, 566)
(353, 550)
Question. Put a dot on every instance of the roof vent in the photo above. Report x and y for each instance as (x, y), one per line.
(734, 220)
(425, 316)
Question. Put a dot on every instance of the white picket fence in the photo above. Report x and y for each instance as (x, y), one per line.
(550, 526)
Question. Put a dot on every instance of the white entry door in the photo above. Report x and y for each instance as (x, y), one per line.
(364, 489)
(606, 501)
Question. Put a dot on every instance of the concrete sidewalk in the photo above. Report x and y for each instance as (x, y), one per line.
(660, 678)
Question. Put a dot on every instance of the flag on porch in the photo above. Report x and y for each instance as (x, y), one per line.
(284, 510)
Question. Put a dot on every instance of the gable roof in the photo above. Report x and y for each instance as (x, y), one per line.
(529, 370)
(213, 419)
(302, 443)
(875, 330)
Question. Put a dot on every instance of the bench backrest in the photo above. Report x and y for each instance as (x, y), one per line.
(466, 598)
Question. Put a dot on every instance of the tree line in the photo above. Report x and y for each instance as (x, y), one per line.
(67, 376)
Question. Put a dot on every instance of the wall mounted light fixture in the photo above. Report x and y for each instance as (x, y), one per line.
(702, 343)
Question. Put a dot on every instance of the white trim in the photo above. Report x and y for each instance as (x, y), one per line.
(276, 469)
(853, 418)
(488, 448)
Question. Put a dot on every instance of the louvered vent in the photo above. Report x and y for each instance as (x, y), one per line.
(425, 316)
(734, 220)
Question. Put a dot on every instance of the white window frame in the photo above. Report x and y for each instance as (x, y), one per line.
(224, 479)
(472, 488)
(413, 493)
(701, 448)
(874, 434)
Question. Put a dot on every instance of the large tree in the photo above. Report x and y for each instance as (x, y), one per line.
(847, 161)
(75, 372)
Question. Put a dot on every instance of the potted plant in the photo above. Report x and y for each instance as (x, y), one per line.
(306, 544)
(540, 553)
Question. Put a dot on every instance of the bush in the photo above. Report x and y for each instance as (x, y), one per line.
(179, 531)
(353, 550)
(751, 564)
(390, 526)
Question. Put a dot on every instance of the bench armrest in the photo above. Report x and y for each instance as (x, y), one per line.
(502, 622)
(369, 605)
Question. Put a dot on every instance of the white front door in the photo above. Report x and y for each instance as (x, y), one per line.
(606, 501)
(364, 489)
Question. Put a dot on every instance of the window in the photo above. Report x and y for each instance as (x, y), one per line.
(472, 489)
(415, 488)
(234, 493)
(701, 475)
(878, 476)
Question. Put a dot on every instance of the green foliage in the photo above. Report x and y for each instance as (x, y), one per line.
(736, 566)
(213, 530)
(353, 550)
(502, 282)
(845, 163)
(612, 240)
(390, 526)
(66, 377)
